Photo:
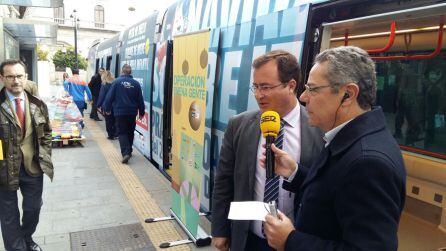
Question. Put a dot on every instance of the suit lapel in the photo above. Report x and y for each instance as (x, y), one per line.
(318, 166)
(252, 136)
(305, 135)
(28, 116)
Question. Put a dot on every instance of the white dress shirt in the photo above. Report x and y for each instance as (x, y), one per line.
(291, 145)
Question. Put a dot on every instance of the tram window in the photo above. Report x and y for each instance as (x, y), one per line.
(96, 70)
(108, 63)
(117, 71)
(412, 94)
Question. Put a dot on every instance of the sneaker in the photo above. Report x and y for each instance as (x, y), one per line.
(125, 159)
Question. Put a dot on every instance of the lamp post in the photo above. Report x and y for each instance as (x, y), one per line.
(75, 19)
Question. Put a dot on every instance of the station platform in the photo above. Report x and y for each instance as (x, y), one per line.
(97, 203)
(94, 197)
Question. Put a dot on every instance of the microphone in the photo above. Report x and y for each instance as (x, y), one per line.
(270, 127)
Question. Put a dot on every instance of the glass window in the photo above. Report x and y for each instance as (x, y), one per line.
(99, 16)
(412, 94)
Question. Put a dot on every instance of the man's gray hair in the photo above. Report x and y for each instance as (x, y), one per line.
(350, 64)
(126, 69)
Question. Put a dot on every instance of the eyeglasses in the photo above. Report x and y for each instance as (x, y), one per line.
(263, 88)
(12, 77)
(314, 89)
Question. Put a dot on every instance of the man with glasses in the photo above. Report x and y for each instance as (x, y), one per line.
(25, 154)
(239, 176)
(352, 196)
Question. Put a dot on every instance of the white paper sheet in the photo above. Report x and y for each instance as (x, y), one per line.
(248, 210)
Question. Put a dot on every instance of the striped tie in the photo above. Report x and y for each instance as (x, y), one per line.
(272, 184)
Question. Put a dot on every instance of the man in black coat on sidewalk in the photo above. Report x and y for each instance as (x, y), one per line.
(95, 88)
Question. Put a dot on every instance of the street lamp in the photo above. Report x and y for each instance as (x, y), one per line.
(75, 19)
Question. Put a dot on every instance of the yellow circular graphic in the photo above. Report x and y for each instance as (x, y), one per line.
(195, 116)
(177, 104)
(185, 67)
(203, 59)
(147, 47)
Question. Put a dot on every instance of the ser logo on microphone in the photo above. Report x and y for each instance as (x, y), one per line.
(268, 119)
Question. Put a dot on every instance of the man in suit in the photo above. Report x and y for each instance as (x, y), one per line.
(239, 176)
(352, 196)
(25, 147)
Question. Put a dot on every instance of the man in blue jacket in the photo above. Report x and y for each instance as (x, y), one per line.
(77, 88)
(352, 196)
(125, 97)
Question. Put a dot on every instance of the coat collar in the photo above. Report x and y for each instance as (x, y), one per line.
(33, 104)
(360, 126)
(366, 123)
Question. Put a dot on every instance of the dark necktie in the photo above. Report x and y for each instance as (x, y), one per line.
(272, 184)
(20, 115)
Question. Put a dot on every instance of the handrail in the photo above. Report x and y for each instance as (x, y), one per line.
(421, 56)
(389, 44)
(346, 37)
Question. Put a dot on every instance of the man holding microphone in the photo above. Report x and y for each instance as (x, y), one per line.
(352, 196)
(239, 176)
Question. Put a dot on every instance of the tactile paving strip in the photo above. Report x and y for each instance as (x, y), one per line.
(125, 237)
(142, 202)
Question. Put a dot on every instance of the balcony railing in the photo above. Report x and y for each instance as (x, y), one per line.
(89, 25)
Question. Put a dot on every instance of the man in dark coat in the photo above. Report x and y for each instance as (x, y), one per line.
(95, 88)
(125, 98)
(352, 196)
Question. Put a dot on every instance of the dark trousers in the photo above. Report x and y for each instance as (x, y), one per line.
(255, 243)
(110, 125)
(94, 108)
(15, 236)
(126, 131)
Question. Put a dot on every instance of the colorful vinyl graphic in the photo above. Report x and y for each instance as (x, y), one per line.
(190, 64)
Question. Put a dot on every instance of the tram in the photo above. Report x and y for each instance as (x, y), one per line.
(404, 37)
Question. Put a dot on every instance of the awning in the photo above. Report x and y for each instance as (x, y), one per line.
(34, 3)
(31, 31)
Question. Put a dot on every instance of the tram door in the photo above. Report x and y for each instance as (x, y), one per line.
(411, 71)
(167, 118)
(407, 45)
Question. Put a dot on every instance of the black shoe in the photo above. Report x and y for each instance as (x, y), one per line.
(125, 159)
(111, 138)
(98, 119)
(32, 246)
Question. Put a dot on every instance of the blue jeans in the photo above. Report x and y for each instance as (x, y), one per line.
(16, 235)
(81, 105)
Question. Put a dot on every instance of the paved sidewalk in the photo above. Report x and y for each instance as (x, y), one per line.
(86, 195)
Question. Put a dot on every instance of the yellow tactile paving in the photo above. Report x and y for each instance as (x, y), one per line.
(140, 199)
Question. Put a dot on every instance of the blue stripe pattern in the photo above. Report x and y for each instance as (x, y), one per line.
(272, 185)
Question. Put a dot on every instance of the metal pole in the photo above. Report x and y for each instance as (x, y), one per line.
(75, 41)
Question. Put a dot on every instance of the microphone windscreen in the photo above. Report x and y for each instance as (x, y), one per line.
(270, 123)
